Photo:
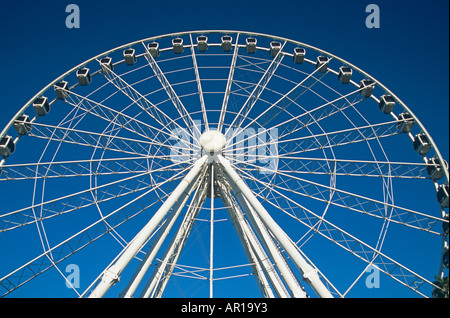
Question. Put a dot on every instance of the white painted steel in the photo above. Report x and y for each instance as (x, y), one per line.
(309, 273)
(139, 162)
(112, 274)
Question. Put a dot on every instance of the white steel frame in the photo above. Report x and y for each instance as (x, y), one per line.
(271, 253)
(267, 228)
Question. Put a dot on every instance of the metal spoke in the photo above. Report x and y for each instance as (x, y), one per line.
(258, 90)
(296, 123)
(137, 98)
(359, 248)
(80, 168)
(354, 202)
(289, 98)
(81, 199)
(78, 241)
(96, 140)
(199, 84)
(99, 110)
(185, 116)
(226, 96)
(349, 167)
(299, 145)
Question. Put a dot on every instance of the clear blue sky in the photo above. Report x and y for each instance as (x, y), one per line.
(409, 53)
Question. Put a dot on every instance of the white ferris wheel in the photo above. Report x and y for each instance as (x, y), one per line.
(221, 164)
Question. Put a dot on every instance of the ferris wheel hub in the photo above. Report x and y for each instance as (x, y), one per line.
(212, 141)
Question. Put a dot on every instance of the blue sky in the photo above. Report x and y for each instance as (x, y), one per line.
(408, 53)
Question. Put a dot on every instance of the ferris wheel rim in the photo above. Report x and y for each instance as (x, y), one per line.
(5, 130)
(81, 65)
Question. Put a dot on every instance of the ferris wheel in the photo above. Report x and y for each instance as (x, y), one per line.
(221, 164)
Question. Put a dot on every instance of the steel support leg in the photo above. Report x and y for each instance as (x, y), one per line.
(155, 246)
(158, 281)
(309, 273)
(262, 266)
(112, 274)
(211, 240)
(277, 257)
